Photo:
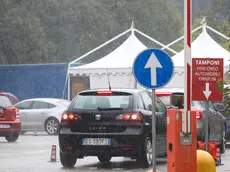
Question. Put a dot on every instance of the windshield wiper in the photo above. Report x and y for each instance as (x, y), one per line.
(99, 108)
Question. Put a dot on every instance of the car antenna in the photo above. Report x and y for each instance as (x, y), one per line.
(108, 80)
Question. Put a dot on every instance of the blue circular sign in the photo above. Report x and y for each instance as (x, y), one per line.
(153, 68)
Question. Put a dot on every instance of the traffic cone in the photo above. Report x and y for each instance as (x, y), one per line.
(53, 157)
(35, 132)
(218, 156)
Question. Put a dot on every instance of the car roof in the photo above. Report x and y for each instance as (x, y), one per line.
(170, 90)
(127, 90)
(47, 100)
(8, 94)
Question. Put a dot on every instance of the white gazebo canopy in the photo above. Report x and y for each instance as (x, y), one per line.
(121, 57)
(203, 47)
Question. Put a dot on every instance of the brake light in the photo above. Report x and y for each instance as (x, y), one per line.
(16, 110)
(198, 115)
(17, 113)
(104, 93)
(69, 116)
(129, 117)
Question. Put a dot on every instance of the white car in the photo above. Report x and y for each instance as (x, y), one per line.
(41, 114)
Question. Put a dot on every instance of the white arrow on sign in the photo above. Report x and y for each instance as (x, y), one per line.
(153, 63)
(207, 92)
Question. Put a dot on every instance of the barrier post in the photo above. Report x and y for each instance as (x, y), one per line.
(181, 149)
(53, 156)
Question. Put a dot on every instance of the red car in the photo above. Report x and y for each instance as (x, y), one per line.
(12, 97)
(10, 124)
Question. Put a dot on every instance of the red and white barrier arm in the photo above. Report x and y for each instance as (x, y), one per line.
(187, 66)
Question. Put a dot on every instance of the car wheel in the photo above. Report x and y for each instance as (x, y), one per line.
(223, 141)
(68, 160)
(52, 126)
(12, 137)
(144, 157)
(104, 158)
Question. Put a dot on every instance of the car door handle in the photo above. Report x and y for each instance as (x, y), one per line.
(43, 113)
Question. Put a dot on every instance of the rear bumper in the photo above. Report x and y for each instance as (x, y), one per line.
(15, 127)
(121, 144)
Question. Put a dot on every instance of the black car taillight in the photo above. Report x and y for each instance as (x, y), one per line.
(129, 117)
(198, 115)
(70, 116)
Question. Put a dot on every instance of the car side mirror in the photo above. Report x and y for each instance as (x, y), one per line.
(220, 108)
(150, 107)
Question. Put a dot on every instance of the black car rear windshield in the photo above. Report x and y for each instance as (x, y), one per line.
(94, 100)
(4, 101)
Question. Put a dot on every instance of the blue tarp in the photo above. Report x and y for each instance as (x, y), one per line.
(34, 81)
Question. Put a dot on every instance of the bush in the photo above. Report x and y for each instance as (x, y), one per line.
(224, 88)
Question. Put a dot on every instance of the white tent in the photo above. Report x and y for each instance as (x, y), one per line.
(122, 57)
(204, 47)
(115, 67)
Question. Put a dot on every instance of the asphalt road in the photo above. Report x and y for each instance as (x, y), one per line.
(32, 154)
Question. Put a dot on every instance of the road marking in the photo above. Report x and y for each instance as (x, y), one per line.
(25, 153)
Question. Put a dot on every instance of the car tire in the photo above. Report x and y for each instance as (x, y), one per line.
(144, 158)
(52, 126)
(223, 141)
(68, 160)
(12, 137)
(104, 158)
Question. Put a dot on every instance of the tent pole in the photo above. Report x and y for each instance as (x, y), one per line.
(217, 32)
(135, 86)
(102, 45)
(157, 42)
(68, 86)
(179, 39)
(66, 80)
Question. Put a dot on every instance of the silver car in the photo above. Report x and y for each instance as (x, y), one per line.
(41, 114)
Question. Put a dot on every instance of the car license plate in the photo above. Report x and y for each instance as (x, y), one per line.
(96, 141)
(4, 126)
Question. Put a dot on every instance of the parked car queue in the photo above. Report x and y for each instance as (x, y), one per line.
(18, 117)
(108, 123)
(103, 123)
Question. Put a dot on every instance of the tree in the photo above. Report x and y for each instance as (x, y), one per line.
(21, 35)
(46, 31)
(224, 88)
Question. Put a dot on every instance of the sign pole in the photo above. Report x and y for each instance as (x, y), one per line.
(206, 125)
(154, 129)
(149, 70)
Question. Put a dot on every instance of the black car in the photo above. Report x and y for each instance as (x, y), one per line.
(109, 124)
(217, 123)
(221, 107)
